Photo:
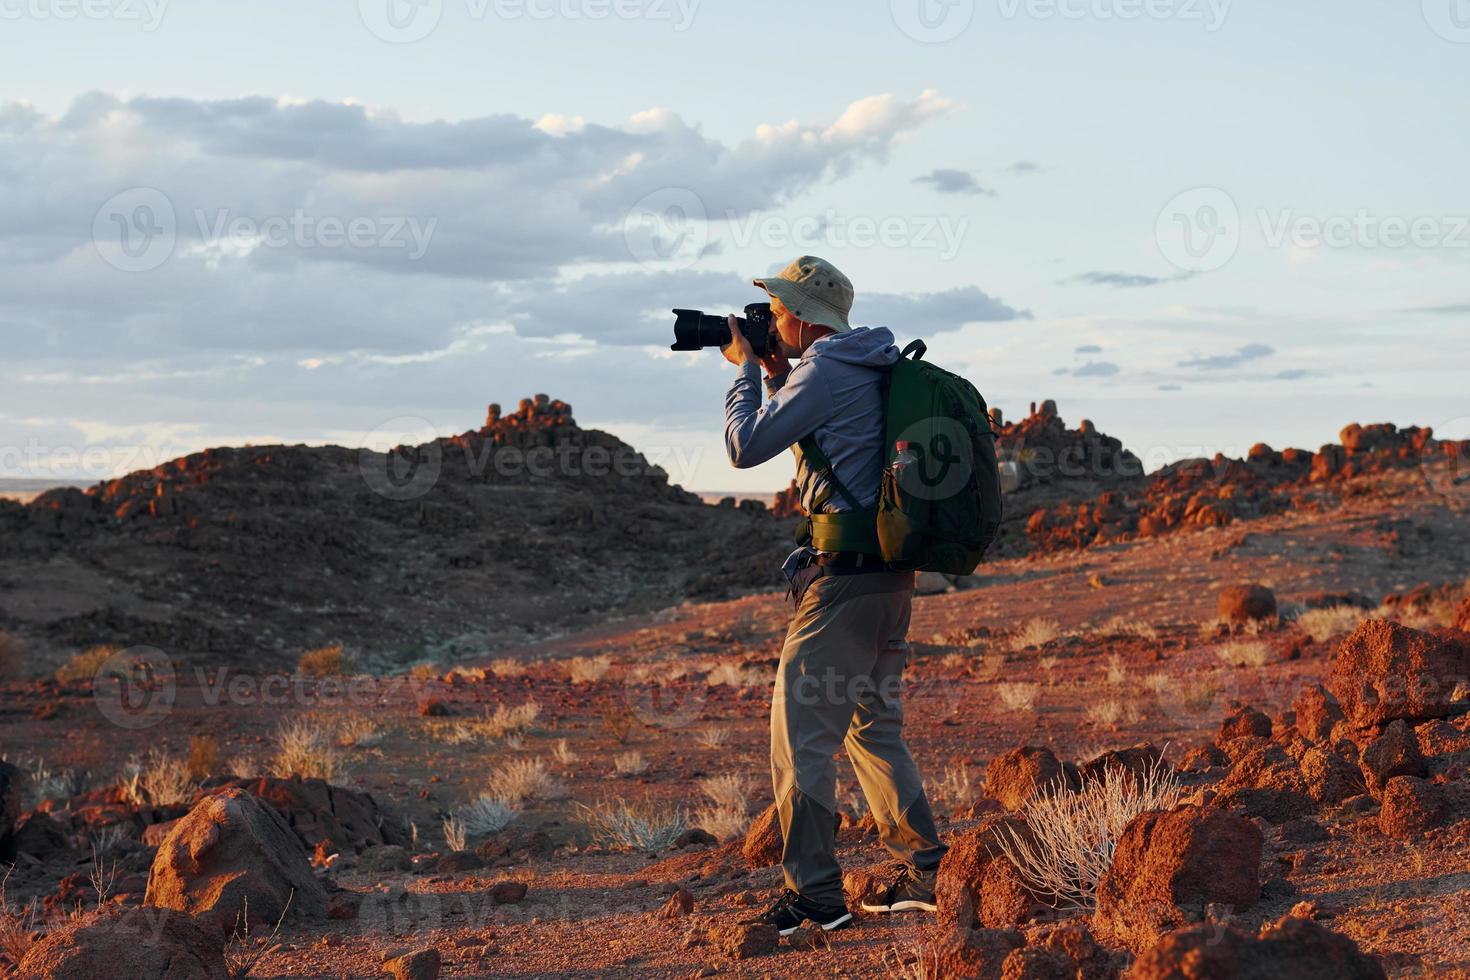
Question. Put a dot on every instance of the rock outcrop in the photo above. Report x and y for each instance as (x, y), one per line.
(1292, 947)
(141, 944)
(1386, 671)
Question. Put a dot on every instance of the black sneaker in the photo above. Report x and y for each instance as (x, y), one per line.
(791, 910)
(911, 891)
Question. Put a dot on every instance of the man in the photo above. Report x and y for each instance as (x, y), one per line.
(842, 664)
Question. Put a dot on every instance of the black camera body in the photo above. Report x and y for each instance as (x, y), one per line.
(696, 330)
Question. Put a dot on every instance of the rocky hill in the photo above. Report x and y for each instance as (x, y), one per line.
(526, 526)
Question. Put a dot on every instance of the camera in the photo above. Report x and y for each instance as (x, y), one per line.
(696, 330)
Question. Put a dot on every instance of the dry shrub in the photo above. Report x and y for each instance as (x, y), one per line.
(358, 730)
(524, 779)
(1037, 632)
(619, 721)
(203, 756)
(587, 670)
(1073, 832)
(19, 924)
(488, 814)
(630, 763)
(455, 834)
(507, 667)
(1117, 671)
(328, 661)
(1120, 626)
(714, 736)
(563, 752)
(731, 791)
(735, 675)
(504, 722)
(84, 666)
(1017, 695)
(954, 789)
(649, 826)
(305, 748)
(1323, 625)
(1246, 653)
(158, 779)
(724, 822)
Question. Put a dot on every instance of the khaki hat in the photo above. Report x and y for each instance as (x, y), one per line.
(814, 291)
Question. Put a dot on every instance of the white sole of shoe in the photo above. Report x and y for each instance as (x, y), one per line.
(907, 905)
(836, 923)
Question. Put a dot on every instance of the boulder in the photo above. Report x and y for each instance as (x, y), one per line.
(1410, 807)
(141, 944)
(344, 820)
(1246, 721)
(1037, 964)
(1246, 603)
(959, 880)
(40, 836)
(1385, 671)
(421, 964)
(1316, 712)
(974, 953)
(1005, 901)
(1169, 865)
(763, 842)
(1395, 752)
(678, 905)
(1013, 778)
(1292, 947)
(1140, 760)
(1073, 940)
(1329, 777)
(232, 852)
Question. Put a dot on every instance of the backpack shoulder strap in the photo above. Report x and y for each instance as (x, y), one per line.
(823, 466)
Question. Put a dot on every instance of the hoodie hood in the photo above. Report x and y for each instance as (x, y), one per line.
(871, 347)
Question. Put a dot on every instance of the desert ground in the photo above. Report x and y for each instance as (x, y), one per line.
(1268, 710)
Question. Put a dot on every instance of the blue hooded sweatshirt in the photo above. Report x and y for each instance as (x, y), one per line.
(831, 392)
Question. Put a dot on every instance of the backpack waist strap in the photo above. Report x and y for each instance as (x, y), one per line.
(856, 531)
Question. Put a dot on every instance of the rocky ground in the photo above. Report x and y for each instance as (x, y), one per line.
(1297, 678)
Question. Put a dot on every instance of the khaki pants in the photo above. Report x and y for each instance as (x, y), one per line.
(839, 683)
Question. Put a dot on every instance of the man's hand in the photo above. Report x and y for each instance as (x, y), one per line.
(738, 350)
(776, 364)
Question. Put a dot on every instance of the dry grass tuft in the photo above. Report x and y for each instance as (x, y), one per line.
(1037, 632)
(488, 814)
(714, 736)
(731, 791)
(358, 730)
(723, 822)
(587, 670)
(204, 758)
(85, 665)
(158, 779)
(1120, 626)
(650, 826)
(735, 675)
(1323, 625)
(328, 661)
(1246, 653)
(507, 667)
(1075, 831)
(954, 789)
(1017, 695)
(630, 763)
(564, 753)
(305, 748)
(524, 779)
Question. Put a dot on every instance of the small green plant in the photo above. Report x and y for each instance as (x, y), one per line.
(648, 826)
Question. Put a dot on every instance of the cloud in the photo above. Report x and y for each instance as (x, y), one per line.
(1220, 362)
(1123, 280)
(1089, 349)
(1453, 309)
(1024, 167)
(953, 182)
(1171, 387)
(1095, 369)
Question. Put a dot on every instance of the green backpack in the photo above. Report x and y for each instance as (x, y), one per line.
(939, 508)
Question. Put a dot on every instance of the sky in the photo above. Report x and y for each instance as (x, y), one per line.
(1198, 223)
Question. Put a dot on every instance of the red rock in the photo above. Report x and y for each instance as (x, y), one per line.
(679, 904)
(229, 851)
(1462, 616)
(508, 892)
(1013, 778)
(347, 820)
(140, 944)
(458, 862)
(1073, 940)
(863, 884)
(1168, 865)
(38, 835)
(1329, 777)
(1292, 947)
(1037, 964)
(957, 885)
(1005, 901)
(1395, 752)
(740, 941)
(973, 953)
(1246, 721)
(1410, 807)
(1316, 712)
(1140, 760)
(763, 843)
(1246, 603)
(422, 964)
(1385, 671)
(344, 905)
